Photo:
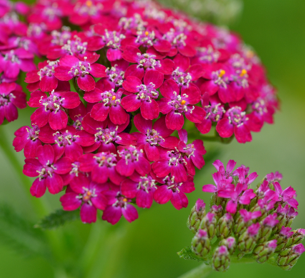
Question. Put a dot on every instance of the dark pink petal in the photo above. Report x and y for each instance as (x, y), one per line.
(174, 120)
(79, 183)
(35, 99)
(130, 54)
(63, 166)
(70, 99)
(205, 126)
(99, 174)
(150, 110)
(74, 151)
(129, 188)
(100, 202)
(179, 173)
(31, 167)
(164, 106)
(143, 125)
(114, 176)
(167, 66)
(162, 46)
(125, 169)
(48, 84)
(130, 213)
(58, 120)
(224, 128)
(183, 135)
(114, 54)
(187, 51)
(38, 188)
(98, 70)
(182, 62)
(45, 154)
(155, 77)
(112, 214)
(63, 73)
(68, 61)
(242, 134)
(168, 88)
(54, 183)
(100, 112)
(10, 112)
(160, 126)
(133, 70)
(131, 103)
(231, 207)
(32, 77)
(86, 83)
(170, 142)
(161, 168)
(179, 200)
(88, 213)
(87, 162)
(69, 201)
(196, 115)
(142, 166)
(144, 199)
(152, 152)
(196, 71)
(131, 84)
(162, 195)
(118, 115)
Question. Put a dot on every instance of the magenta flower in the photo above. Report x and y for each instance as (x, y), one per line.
(175, 192)
(102, 167)
(220, 184)
(253, 229)
(88, 195)
(132, 159)
(48, 170)
(234, 122)
(143, 96)
(140, 187)
(68, 141)
(108, 102)
(248, 215)
(106, 135)
(43, 78)
(71, 67)
(184, 74)
(171, 162)
(52, 108)
(11, 98)
(153, 135)
(271, 220)
(174, 105)
(16, 60)
(118, 205)
(237, 196)
(287, 196)
(27, 138)
(286, 232)
(193, 152)
(272, 177)
(214, 112)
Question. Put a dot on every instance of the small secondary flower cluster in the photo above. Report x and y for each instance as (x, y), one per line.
(246, 223)
(138, 71)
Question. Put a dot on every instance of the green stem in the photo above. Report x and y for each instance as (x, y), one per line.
(201, 271)
(6, 147)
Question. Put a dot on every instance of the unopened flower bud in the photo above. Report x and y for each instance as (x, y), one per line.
(196, 215)
(224, 225)
(264, 251)
(281, 217)
(289, 256)
(298, 236)
(245, 220)
(284, 238)
(217, 210)
(201, 245)
(247, 240)
(230, 243)
(266, 229)
(209, 224)
(221, 259)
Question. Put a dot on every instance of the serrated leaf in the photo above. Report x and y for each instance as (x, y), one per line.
(57, 218)
(19, 234)
(187, 254)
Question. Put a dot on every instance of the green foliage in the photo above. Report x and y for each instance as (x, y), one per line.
(187, 254)
(19, 234)
(57, 219)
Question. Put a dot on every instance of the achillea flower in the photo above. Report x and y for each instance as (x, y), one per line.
(11, 98)
(245, 225)
(48, 170)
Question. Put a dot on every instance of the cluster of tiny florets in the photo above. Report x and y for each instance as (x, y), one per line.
(112, 92)
(245, 222)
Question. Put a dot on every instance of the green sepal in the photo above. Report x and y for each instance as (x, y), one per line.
(187, 254)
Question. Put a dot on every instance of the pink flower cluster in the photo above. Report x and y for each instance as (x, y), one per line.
(112, 94)
(253, 222)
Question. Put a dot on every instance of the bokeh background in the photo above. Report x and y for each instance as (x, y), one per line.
(148, 248)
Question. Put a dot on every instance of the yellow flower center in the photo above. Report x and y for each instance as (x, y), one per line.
(221, 73)
(183, 102)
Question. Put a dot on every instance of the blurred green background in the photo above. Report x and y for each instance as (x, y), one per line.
(276, 30)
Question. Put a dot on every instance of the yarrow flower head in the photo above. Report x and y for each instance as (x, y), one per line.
(241, 225)
(119, 96)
